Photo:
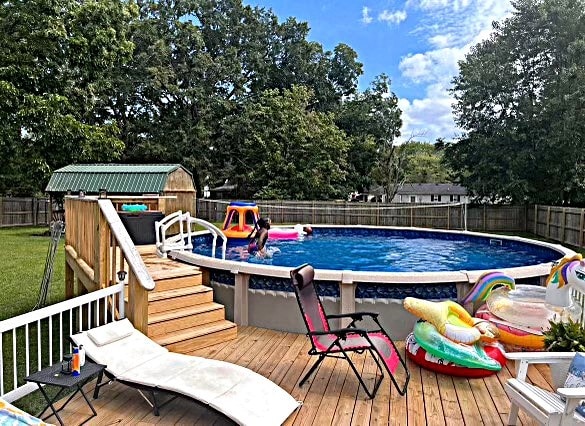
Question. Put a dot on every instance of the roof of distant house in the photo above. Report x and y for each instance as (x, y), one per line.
(431, 189)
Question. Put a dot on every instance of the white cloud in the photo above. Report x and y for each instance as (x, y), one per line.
(449, 28)
(366, 18)
(395, 17)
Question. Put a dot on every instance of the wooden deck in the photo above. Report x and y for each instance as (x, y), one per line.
(331, 397)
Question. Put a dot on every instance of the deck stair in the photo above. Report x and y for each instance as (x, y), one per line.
(181, 312)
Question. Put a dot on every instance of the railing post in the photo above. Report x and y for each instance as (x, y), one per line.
(242, 283)
(137, 304)
(101, 250)
(347, 293)
(69, 282)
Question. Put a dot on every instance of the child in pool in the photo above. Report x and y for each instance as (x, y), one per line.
(259, 236)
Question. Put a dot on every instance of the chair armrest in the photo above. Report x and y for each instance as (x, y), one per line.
(339, 332)
(572, 393)
(523, 359)
(540, 357)
(356, 316)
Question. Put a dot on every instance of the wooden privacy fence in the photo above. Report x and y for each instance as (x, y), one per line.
(24, 211)
(563, 224)
(488, 218)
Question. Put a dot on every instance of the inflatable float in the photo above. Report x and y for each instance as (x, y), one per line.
(451, 341)
(451, 320)
(440, 365)
(471, 356)
(522, 312)
(241, 219)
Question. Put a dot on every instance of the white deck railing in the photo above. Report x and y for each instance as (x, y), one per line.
(43, 335)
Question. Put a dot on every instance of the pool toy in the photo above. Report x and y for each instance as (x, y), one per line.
(486, 283)
(449, 318)
(513, 336)
(277, 233)
(240, 219)
(439, 365)
(436, 344)
(522, 312)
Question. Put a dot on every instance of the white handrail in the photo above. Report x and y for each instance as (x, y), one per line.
(183, 240)
(165, 244)
(89, 310)
(214, 230)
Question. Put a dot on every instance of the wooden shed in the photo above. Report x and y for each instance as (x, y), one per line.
(127, 180)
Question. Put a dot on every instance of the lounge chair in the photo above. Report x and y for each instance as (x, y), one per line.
(339, 343)
(133, 359)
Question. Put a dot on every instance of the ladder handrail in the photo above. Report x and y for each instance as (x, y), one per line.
(183, 240)
(214, 230)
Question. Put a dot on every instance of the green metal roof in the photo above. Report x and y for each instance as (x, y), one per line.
(115, 178)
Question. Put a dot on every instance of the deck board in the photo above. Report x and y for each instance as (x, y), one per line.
(330, 397)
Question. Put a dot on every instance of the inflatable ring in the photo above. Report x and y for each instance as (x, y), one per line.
(511, 335)
(472, 356)
(439, 365)
(525, 306)
(448, 317)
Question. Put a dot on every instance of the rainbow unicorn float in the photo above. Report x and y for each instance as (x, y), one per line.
(450, 341)
(522, 312)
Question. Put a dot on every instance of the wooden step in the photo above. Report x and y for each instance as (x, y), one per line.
(174, 283)
(182, 318)
(159, 301)
(201, 336)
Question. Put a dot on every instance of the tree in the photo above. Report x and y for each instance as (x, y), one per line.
(372, 120)
(56, 62)
(284, 150)
(423, 163)
(519, 96)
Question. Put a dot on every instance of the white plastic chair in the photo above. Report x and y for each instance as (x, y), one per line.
(548, 408)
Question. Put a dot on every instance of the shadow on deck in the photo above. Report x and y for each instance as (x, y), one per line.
(331, 397)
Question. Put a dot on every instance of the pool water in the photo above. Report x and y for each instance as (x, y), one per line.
(389, 250)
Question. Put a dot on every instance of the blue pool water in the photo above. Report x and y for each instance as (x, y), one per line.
(386, 250)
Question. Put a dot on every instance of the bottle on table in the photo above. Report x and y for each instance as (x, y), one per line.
(76, 370)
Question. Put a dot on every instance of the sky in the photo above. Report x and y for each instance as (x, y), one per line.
(417, 43)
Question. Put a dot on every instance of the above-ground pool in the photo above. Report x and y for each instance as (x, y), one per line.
(390, 250)
(374, 267)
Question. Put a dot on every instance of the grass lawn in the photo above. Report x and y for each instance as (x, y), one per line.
(21, 272)
(21, 269)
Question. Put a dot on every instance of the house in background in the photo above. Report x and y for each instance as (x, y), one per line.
(431, 193)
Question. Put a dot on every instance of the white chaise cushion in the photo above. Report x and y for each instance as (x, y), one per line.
(111, 332)
(123, 354)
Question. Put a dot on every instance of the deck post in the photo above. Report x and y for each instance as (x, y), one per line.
(347, 293)
(69, 282)
(242, 283)
(137, 304)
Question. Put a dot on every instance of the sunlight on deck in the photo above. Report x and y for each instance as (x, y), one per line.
(331, 397)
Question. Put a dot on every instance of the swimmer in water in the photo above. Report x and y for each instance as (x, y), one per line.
(259, 236)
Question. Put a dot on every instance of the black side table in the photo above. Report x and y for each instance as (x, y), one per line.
(53, 376)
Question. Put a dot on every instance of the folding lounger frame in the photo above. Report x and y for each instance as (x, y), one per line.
(307, 298)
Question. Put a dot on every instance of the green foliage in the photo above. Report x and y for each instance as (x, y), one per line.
(565, 337)
(372, 120)
(165, 81)
(284, 150)
(423, 163)
(520, 97)
(56, 59)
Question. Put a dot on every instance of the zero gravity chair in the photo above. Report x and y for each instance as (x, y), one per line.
(340, 343)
